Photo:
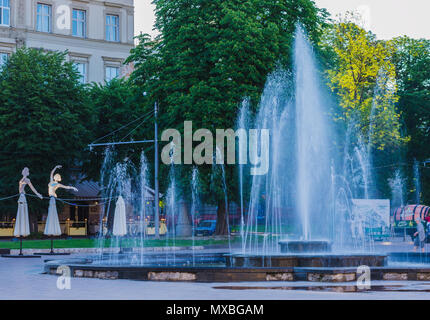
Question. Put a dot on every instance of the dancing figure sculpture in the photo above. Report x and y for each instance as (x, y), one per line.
(52, 227)
(22, 224)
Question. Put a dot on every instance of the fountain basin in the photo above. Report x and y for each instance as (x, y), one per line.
(85, 269)
(306, 260)
(169, 273)
(304, 246)
(410, 257)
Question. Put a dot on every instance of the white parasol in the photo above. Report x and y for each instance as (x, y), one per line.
(22, 225)
(119, 219)
(52, 227)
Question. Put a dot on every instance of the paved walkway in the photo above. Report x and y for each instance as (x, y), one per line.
(23, 279)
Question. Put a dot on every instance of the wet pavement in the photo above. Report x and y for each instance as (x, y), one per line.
(23, 279)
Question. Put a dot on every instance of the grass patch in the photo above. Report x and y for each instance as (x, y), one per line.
(94, 243)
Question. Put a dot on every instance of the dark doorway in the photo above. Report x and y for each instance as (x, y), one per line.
(79, 213)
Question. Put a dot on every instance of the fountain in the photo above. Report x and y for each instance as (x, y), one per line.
(302, 188)
(397, 184)
(300, 160)
(306, 196)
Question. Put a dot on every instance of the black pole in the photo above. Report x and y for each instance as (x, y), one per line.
(52, 245)
(20, 246)
(156, 187)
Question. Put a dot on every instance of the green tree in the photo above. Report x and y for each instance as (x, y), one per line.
(412, 61)
(115, 104)
(211, 54)
(363, 76)
(45, 120)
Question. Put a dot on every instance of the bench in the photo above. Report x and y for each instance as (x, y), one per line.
(6, 229)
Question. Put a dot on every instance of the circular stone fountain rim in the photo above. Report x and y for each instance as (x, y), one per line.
(305, 241)
(305, 255)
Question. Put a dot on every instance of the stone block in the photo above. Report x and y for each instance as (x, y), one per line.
(285, 276)
(171, 276)
(88, 274)
(336, 277)
(78, 273)
(395, 276)
(314, 277)
(423, 276)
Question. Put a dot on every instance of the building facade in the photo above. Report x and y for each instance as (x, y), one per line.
(98, 35)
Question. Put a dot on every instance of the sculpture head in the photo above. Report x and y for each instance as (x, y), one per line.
(57, 177)
(25, 172)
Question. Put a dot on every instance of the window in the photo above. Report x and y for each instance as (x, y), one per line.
(3, 59)
(44, 15)
(112, 28)
(4, 12)
(111, 73)
(82, 69)
(79, 23)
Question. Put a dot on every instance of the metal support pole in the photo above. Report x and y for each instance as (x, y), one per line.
(20, 246)
(157, 200)
(118, 143)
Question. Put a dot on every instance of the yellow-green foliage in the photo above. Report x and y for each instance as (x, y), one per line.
(363, 76)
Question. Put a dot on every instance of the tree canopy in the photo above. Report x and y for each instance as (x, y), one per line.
(209, 56)
(363, 75)
(44, 118)
(412, 61)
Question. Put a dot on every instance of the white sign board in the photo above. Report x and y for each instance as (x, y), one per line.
(372, 213)
(369, 213)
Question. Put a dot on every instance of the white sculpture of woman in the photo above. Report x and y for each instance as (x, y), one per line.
(52, 227)
(22, 225)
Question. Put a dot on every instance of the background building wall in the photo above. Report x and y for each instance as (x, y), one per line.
(93, 50)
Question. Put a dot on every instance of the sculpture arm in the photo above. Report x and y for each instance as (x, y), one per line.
(34, 189)
(53, 171)
(67, 187)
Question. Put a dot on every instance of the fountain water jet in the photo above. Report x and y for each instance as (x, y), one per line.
(417, 182)
(195, 204)
(242, 125)
(312, 132)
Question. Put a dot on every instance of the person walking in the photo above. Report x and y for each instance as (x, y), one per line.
(420, 236)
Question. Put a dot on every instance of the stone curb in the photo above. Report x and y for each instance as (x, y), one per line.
(105, 250)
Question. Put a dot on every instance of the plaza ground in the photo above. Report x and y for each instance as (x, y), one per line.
(24, 279)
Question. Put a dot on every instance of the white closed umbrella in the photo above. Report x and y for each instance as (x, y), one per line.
(119, 219)
(22, 225)
(52, 226)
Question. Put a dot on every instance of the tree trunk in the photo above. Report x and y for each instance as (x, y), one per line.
(183, 225)
(222, 219)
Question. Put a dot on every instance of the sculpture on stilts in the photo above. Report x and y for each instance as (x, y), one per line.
(22, 224)
(52, 227)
